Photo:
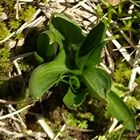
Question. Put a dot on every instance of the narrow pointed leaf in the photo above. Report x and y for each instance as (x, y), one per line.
(90, 51)
(46, 75)
(97, 81)
(118, 109)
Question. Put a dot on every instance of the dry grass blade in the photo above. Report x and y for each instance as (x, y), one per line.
(122, 50)
(14, 113)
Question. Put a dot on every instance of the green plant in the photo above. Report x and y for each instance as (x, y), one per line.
(4, 32)
(73, 57)
(5, 62)
(77, 120)
(27, 13)
(13, 24)
(1, 10)
(122, 74)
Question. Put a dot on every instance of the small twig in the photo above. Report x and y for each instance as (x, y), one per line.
(110, 60)
(16, 112)
(19, 117)
(37, 135)
(82, 130)
(131, 84)
(138, 69)
(129, 17)
(45, 127)
(2, 101)
(17, 67)
(41, 121)
(93, 4)
(137, 54)
(60, 132)
(17, 9)
(105, 68)
(8, 37)
(122, 50)
(118, 127)
(127, 38)
(77, 5)
(22, 56)
(15, 135)
(37, 22)
(134, 3)
(87, 7)
(15, 123)
(11, 134)
(115, 122)
(131, 8)
(35, 15)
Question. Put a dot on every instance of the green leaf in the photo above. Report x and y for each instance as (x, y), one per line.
(58, 37)
(74, 83)
(119, 89)
(39, 60)
(48, 43)
(71, 31)
(42, 44)
(47, 75)
(51, 51)
(72, 100)
(73, 37)
(75, 95)
(90, 51)
(97, 81)
(118, 109)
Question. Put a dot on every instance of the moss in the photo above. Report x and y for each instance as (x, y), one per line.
(88, 116)
(8, 2)
(8, 8)
(1, 10)
(79, 120)
(27, 13)
(24, 66)
(11, 24)
(19, 36)
(4, 32)
(5, 63)
(122, 74)
(14, 24)
(133, 103)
